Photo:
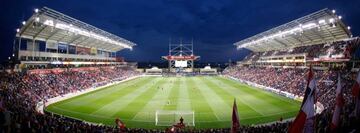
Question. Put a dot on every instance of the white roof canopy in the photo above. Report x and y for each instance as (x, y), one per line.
(319, 27)
(49, 25)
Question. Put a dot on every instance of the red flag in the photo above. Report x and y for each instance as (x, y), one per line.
(235, 119)
(356, 93)
(339, 104)
(356, 86)
(120, 124)
(307, 110)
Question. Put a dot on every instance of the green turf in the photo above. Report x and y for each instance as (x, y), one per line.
(211, 98)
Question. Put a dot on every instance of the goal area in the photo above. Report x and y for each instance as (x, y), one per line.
(169, 118)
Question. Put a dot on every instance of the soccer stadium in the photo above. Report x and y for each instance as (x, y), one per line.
(70, 70)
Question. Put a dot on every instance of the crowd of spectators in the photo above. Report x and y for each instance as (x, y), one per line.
(338, 49)
(293, 80)
(20, 92)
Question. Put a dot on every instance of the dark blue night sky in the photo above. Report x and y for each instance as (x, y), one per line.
(214, 24)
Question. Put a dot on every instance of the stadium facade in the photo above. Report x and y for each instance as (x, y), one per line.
(51, 38)
(320, 38)
(90, 91)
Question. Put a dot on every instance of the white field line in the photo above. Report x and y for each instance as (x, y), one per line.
(184, 103)
(112, 118)
(122, 102)
(253, 87)
(216, 103)
(234, 94)
(88, 99)
(40, 106)
(156, 101)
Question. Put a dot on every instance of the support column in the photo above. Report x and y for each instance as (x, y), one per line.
(33, 49)
(19, 48)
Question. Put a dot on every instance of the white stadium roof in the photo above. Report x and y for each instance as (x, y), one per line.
(49, 25)
(319, 27)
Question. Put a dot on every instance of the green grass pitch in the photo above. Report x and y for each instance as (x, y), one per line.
(211, 98)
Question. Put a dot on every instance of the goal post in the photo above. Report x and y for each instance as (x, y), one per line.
(169, 118)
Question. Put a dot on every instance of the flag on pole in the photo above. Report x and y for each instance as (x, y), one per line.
(339, 104)
(307, 111)
(356, 86)
(119, 123)
(356, 93)
(235, 119)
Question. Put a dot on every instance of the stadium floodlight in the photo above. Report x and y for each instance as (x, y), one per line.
(36, 10)
(23, 22)
(76, 30)
(295, 30)
(322, 21)
(37, 19)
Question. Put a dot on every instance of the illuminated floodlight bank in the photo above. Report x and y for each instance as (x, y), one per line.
(49, 25)
(318, 27)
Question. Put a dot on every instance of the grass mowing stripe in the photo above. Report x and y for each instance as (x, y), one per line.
(122, 101)
(201, 107)
(100, 100)
(157, 102)
(267, 109)
(256, 99)
(217, 104)
(127, 101)
(92, 96)
(139, 102)
(229, 96)
(273, 99)
(184, 103)
(238, 84)
(173, 96)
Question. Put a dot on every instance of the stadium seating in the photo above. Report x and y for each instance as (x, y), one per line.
(294, 81)
(339, 49)
(21, 91)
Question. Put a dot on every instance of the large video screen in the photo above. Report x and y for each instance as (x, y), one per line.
(180, 63)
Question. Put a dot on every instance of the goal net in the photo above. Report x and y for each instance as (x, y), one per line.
(169, 118)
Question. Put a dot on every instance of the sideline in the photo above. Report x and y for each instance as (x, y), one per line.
(40, 106)
(319, 106)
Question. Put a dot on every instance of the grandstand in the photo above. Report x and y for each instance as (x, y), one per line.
(69, 79)
(321, 38)
(51, 38)
(281, 56)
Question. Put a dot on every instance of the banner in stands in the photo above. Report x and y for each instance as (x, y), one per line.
(120, 59)
(84, 69)
(93, 51)
(46, 71)
(107, 54)
(51, 45)
(30, 46)
(62, 48)
(72, 49)
(82, 50)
